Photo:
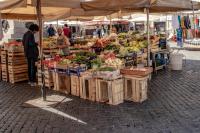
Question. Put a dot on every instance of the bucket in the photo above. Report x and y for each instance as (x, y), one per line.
(176, 60)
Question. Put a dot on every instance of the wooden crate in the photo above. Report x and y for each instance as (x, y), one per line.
(111, 92)
(136, 88)
(4, 56)
(75, 85)
(88, 87)
(14, 78)
(16, 58)
(18, 73)
(61, 82)
(0, 73)
(5, 74)
(48, 77)
(17, 69)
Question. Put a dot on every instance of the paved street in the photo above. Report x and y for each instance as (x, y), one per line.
(173, 107)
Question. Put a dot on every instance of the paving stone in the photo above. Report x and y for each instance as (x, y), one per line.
(173, 106)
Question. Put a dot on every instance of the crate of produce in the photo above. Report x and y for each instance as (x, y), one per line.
(88, 87)
(61, 82)
(110, 91)
(76, 69)
(108, 73)
(136, 88)
(62, 64)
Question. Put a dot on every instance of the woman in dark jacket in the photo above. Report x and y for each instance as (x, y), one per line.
(31, 52)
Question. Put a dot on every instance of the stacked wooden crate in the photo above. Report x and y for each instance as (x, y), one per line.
(17, 66)
(0, 67)
(110, 91)
(136, 88)
(48, 75)
(88, 87)
(4, 65)
(136, 83)
(61, 80)
(76, 73)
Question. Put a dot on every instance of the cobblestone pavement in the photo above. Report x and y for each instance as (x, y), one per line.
(173, 107)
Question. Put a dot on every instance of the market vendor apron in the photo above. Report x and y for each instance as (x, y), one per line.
(62, 51)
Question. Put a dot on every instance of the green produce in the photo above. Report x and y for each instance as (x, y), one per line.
(123, 51)
(110, 69)
(96, 62)
(64, 62)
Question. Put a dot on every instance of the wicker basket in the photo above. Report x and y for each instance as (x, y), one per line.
(136, 71)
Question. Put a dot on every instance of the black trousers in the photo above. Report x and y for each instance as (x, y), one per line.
(32, 69)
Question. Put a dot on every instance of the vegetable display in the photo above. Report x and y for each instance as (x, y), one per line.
(114, 62)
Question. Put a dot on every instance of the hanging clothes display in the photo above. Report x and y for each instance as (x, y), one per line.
(189, 34)
(192, 22)
(187, 22)
(175, 22)
(179, 20)
(183, 22)
(179, 37)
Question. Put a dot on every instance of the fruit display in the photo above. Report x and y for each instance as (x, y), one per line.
(81, 41)
(14, 46)
(136, 46)
(101, 43)
(49, 43)
(123, 35)
(133, 42)
(109, 55)
(123, 51)
(114, 62)
(64, 62)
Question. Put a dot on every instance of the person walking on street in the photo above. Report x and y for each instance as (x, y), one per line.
(51, 31)
(31, 52)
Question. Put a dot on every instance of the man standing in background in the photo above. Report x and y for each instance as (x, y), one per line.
(51, 31)
(31, 52)
(67, 31)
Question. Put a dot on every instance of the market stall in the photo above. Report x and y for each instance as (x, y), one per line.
(99, 73)
(111, 69)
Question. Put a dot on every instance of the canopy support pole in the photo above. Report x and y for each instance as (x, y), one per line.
(193, 19)
(110, 24)
(148, 38)
(39, 15)
(57, 23)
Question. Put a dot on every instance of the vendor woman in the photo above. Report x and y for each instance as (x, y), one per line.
(63, 43)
